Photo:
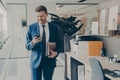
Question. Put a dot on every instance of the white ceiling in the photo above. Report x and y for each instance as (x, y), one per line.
(51, 1)
(61, 1)
(36, 1)
(65, 8)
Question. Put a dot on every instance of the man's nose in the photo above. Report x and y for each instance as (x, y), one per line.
(39, 19)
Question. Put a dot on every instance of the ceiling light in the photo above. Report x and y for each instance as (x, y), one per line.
(82, 0)
(58, 6)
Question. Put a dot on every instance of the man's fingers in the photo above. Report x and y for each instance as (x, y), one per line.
(53, 54)
(36, 40)
(50, 56)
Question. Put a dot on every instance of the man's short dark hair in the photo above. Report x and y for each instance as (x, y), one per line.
(41, 8)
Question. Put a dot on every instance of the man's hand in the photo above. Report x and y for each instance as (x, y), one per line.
(36, 40)
(53, 54)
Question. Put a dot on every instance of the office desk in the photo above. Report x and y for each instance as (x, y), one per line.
(106, 64)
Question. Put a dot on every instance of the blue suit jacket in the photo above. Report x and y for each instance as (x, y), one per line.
(36, 50)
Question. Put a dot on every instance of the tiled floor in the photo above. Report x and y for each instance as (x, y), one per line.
(19, 70)
(17, 59)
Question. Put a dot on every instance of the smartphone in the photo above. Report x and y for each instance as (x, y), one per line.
(37, 36)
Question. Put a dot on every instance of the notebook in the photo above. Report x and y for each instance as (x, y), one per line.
(50, 46)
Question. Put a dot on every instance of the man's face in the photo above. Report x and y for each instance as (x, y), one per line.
(42, 17)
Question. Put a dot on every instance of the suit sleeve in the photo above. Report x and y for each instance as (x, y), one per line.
(29, 45)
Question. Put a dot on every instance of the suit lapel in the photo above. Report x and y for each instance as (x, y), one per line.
(51, 33)
(37, 29)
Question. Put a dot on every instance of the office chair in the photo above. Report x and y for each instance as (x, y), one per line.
(97, 70)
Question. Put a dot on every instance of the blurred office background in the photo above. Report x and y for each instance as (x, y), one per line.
(100, 17)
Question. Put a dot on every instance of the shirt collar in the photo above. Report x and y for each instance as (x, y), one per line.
(46, 24)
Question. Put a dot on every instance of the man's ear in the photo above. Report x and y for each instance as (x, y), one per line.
(47, 14)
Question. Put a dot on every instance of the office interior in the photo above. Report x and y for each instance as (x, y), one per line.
(91, 51)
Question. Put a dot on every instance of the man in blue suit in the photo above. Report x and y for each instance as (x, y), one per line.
(37, 36)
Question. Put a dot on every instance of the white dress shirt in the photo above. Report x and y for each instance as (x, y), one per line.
(46, 30)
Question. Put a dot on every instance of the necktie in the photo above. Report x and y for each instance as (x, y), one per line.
(44, 41)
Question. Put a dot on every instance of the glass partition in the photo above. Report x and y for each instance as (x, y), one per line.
(17, 21)
(4, 50)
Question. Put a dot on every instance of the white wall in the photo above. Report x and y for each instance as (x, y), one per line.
(113, 15)
(106, 21)
(10, 21)
(1, 23)
(102, 22)
(18, 13)
(110, 3)
(95, 28)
